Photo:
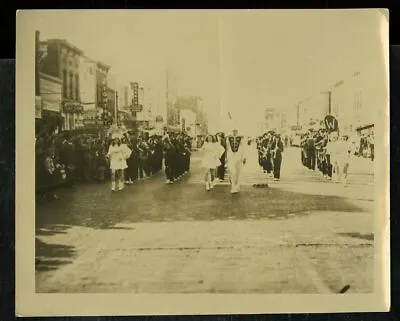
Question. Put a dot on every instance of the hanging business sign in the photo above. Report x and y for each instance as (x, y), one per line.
(331, 123)
(72, 107)
(137, 108)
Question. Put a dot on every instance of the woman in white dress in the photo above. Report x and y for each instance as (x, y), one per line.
(210, 161)
(117, 154)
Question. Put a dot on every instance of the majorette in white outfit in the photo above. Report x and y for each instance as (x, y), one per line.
(340, 153)
(235, 154)
(118, 154)
(212, 154)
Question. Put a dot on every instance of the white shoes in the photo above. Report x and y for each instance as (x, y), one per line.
(234, 189)
(114, 186)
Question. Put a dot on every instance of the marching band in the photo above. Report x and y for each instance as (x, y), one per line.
(323, 150)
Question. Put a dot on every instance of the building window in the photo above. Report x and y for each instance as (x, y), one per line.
(71, 86)
(76, 87)
(65, 85)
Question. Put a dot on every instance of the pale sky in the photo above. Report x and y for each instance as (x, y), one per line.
(242, 61)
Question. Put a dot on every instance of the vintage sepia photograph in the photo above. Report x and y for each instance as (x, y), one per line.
(204, 152)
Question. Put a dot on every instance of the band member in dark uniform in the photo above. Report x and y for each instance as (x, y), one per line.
(260, 150)
(277, 150)
(188, 152)
(143, 150)
(303, 149)
(310, 150)
(168, 149)
(221, 169)
(132, 161)
(326, 160)
(319, 138)
(267, 153)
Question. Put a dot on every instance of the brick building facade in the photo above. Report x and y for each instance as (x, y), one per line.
(63, 62)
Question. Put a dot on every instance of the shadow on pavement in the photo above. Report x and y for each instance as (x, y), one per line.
(116, 228)
(368, 237)
(94, 206)
(52, 256)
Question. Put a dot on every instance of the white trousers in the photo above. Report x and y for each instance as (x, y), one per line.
(235, 169)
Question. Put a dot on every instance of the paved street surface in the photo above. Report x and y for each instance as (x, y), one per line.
(302, 234)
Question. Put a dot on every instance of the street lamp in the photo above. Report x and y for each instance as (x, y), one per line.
(329, 92)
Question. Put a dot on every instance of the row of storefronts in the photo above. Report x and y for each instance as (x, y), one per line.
(72, 90)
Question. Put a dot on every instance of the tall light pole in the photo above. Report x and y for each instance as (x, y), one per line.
(329, 93)
(116, 107)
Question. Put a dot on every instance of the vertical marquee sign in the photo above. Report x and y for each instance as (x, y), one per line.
(135, 100)
(106, 113)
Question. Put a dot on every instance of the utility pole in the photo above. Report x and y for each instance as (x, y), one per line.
(329, 93)
(166, 95)
(116, 107)
(330, 102)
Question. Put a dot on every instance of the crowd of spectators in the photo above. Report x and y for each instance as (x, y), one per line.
(65, 160)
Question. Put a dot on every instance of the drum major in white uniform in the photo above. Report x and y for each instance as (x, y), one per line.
(235, 154)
